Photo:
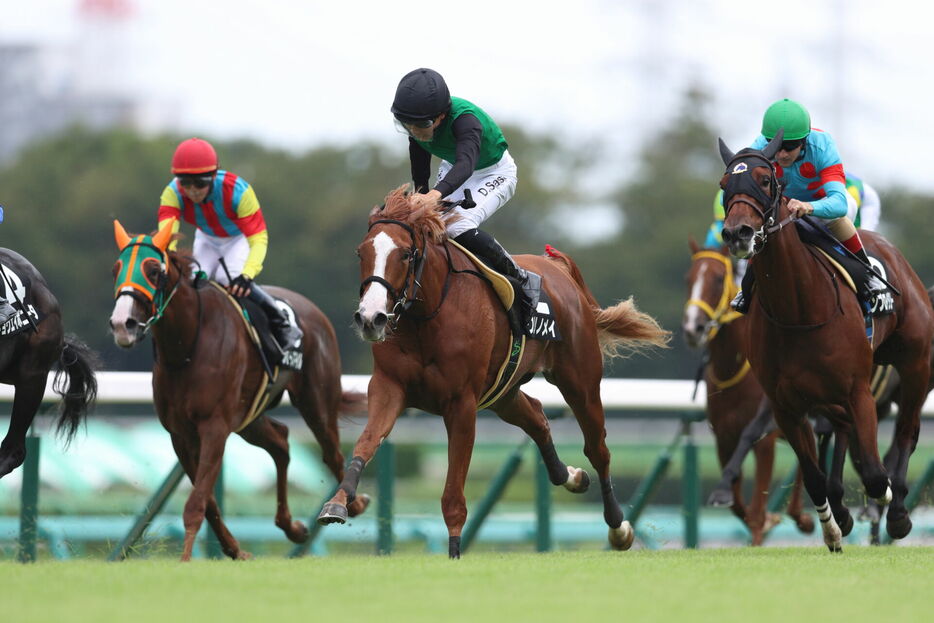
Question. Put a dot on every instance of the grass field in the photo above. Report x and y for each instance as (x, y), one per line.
(770, 584)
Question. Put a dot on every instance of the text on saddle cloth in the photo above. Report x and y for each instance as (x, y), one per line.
(17, 289)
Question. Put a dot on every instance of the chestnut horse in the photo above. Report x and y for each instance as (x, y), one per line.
(440, 335)
(28, 354)
(734, 396)
(207, 373)
(808, 346)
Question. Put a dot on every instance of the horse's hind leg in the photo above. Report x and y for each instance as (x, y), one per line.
(795, 509)
(273, 437)
(583, 396)
(188, 457)
(758, 520)
(864, 450)
(526, 412)
(26, 401)
(322, 421)
(835, 481)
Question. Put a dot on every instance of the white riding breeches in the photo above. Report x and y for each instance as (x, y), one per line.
(209, 250)
(490, 188)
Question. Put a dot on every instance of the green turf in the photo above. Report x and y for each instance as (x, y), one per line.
(771, 584)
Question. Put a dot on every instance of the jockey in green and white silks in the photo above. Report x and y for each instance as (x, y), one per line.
(474, 156)
(868, 204)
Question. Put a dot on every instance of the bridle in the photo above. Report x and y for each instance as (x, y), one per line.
(723, 314)
(739, 183)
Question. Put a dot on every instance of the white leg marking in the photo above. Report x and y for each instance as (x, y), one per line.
(833, 537)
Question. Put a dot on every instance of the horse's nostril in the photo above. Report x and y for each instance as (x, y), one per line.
(131, 324)
(727, 235)
(380, 320)
(358, 319)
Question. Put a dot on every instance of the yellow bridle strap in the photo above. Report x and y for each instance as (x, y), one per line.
(723, 314)
(733, 380)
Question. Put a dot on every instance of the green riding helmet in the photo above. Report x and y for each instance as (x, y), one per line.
(787, 114)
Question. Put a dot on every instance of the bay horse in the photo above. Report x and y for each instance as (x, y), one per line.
(207, 374)
(440, 335)
(34, 342)
(734, 396)
(808, 345)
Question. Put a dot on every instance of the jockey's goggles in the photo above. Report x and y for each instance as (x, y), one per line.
(415, 123)
(792, 145)
(198, 181)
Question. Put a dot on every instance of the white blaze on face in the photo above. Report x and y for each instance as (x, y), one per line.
(374, 299)
(694, 315)
(123, 309)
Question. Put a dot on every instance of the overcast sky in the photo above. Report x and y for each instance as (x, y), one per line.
(296, 74)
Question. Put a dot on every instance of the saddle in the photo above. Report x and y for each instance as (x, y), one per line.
(856, 274)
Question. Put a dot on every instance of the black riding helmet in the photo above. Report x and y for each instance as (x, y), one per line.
(421, 96)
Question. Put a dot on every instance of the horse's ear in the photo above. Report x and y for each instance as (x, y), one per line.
(164, 236)
(774, 145)
(725, 152)
(122, 238)
(693, 244)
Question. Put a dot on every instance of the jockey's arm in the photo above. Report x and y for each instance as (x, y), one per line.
(833, 204)
(469, 133)
(170, 209)
(251, 222)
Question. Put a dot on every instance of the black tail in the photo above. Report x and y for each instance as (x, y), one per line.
(79, 362)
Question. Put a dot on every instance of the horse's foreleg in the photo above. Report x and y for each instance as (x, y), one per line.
(385, 401)
(461, 425)
(273, 437)
(213, 435)
(835, 481)
(26, 400)
(800, 437)
(188, 457)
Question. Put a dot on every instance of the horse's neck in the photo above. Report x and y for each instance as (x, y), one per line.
(788, 279)
(174, 334)
(725, 351)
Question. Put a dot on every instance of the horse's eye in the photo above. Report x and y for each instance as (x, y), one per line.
(405, 256)
(766, 181)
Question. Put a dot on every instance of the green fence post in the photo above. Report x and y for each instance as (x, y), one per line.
(543, 488)
(691, 484)
(647, 485)
(29, 502)
(386, 468)
(214, 549)
(153, 507)
(493, 495)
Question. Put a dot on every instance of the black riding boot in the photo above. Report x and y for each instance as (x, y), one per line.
(741, 302)
(287, 334)
(485, 246)
(6, 310)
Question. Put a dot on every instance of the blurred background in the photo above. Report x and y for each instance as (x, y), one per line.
(611, 110)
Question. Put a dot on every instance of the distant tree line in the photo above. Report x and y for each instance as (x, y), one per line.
(61, 194)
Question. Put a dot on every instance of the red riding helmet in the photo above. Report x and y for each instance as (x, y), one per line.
(194, 156)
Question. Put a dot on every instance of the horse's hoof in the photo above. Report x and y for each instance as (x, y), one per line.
(621, 538)
(578, 480)
(898, 528)
(454, 547)
(242, 555)
(835, 548)
(846, 526)
(332, 513)
(720, 498)
(359, 505)
(297, 532)
(805, 523)
(11, 459)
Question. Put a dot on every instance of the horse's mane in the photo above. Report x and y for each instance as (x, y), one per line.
(398, 207)
(184, 262)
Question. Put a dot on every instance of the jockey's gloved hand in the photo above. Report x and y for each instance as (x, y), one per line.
(240, 286)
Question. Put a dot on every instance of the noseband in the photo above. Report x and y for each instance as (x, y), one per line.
(739, 183)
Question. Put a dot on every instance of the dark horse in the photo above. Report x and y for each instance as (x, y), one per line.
(734, 396)
(28, 354)
(440, 336)
(808, 346)
(208, 373)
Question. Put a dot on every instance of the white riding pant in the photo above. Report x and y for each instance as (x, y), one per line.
(490, 188)
(209, 250)
(871, 208)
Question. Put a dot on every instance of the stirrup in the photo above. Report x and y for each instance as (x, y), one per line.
(739, 303)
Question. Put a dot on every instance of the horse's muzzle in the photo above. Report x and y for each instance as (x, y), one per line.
(126, 333)
(739, 240)
(372, 328)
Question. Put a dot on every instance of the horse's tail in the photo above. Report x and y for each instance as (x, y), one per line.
(78, 362)
(353, 403)
(622, 329)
